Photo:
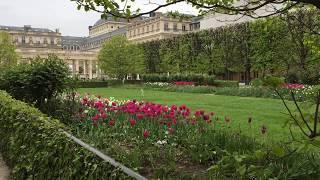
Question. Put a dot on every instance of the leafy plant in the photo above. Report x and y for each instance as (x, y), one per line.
(38, 82)
(34, 147)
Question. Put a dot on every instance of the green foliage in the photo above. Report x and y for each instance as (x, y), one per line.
(185, 89)
(246, 92)
(131, 9)
(35, 147)
(273, 46)
(37, 82)
(118, 58)
(267, 163)
(8, 56)
(273, 82)
(199, 79)
(256, 83)
(222, 83)
(91, 84)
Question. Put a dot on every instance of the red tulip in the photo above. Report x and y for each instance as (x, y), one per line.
(132, 122)
(146, 133)
(206, 117)
(112, 123)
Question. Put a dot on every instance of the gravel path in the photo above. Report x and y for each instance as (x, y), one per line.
(4, 171)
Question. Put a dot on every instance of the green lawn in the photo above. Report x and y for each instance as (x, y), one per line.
(268, 112)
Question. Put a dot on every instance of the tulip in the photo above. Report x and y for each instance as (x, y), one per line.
(132, 122)
(146, 133)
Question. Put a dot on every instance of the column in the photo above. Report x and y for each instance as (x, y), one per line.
(76, 67)
(84, 68)
(90, 69)
(97, 70)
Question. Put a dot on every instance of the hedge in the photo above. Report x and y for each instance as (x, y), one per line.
(91, 84)
(101, 84)
(223, 83)
(199, 79)
(34, 147)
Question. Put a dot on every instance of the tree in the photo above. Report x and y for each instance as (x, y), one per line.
(124, 8)
(39, 82)
(119, 58)
(8, 56)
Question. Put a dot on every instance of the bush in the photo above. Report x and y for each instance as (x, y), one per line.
(223, 83)
(199, 79)
(91, 84)
(37, 82)
(174, 88)
(256, 83)
(36, 148)
(246, 92)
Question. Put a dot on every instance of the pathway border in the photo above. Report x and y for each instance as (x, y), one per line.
(4, 170)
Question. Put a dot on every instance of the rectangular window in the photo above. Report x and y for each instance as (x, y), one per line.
(30, 40)
(52, 42)
(183, 27)
(152, 28)
(147, 28)
(158, 26)
(175, 27)
(166, 26)
(23, 39)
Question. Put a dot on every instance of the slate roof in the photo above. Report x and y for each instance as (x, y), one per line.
(28, 28)
(109, 18)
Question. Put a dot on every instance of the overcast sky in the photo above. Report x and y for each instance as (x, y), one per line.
(61, 14)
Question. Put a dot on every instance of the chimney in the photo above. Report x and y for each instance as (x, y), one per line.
(57, 30)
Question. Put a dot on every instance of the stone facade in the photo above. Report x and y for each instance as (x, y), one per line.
(80, 53)
(32, 42)
(158, 26)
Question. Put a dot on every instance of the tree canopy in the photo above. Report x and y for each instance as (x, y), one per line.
(8, 56)
(124, 8)
(118, 58)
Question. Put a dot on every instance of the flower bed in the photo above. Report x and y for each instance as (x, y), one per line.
(184, 83)
(163, 142)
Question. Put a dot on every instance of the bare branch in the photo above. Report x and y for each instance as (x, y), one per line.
(291, 115)
(300, 112)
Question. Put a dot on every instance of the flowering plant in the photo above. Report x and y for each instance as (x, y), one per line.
(184, 83)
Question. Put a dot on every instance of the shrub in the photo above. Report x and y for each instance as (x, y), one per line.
(174, 88)
(199, 79)
(273, 82)
(37, 82)
(92, 84)
(36, 148)
(223, 83)
(256, 83)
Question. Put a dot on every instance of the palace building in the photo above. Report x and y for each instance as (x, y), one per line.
(80, 53)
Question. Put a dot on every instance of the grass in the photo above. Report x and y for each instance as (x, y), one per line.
(267, 112)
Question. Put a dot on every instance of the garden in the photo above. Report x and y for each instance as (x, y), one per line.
(183, 118)
(158, 134)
